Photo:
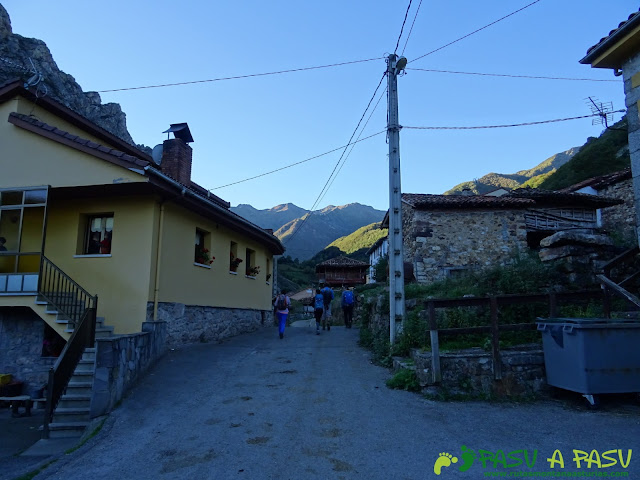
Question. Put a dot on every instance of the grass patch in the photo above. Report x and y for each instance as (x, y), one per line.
(89, 437)
(31, 475)
(405, 379)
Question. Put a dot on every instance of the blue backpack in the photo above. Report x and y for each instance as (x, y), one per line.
(319, 301)
(347, 297)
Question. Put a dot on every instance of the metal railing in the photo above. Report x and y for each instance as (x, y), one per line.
(78, 307)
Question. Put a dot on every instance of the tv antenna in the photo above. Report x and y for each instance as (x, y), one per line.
(604, 112)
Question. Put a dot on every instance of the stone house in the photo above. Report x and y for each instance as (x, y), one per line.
(619, 221)
(83, 209)
(445, 235)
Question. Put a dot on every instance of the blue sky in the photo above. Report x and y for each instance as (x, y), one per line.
(248, 126)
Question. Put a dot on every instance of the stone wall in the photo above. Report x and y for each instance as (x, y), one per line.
(439, 243)
(470, 372)
(121, 360)
(193, 323)
(21, 336)
(620, 219)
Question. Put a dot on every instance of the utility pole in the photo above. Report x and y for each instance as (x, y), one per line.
(395, 65)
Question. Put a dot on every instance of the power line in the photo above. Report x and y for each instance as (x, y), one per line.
(297, 163)
(411, 29)
(406, 14)
(353, 145)
(475, 31)
(510, 125)
(304, 220)
(514, 76)
(241, 76)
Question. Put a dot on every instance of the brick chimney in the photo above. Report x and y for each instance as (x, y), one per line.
(177, 154)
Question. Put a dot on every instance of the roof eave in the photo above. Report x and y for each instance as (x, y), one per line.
(615, 49)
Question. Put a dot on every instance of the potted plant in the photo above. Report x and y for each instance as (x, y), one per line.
(233, 265)
(253, 271)
(203, 256)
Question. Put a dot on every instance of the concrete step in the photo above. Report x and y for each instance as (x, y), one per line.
(67, 430)
(86, 366)
(85, 376)
(71, 415)
(89, 354)
(75, 401)
(102, 332)
(79, 388)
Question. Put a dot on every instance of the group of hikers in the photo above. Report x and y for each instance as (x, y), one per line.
(321, 308)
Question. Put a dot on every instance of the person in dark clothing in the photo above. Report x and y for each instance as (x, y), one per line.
(347, 307)
(318, 309)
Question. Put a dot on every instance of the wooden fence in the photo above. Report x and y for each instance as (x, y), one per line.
(494, 303)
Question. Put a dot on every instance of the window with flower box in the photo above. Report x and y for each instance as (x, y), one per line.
(234, 261)
(252, 270)
(202, 255)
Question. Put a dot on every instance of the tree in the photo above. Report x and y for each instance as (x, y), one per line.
(381, 269)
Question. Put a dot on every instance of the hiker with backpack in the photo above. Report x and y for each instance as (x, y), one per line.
(318, 309)
(347, 306)
(327, 297)
(281, 307)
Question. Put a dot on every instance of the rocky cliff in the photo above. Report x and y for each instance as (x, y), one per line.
(29, 58)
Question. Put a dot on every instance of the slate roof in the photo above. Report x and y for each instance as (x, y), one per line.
(379, 242)
(342, 262)
(72, 140)
(427, 201)
(601, 182)
(614, 35)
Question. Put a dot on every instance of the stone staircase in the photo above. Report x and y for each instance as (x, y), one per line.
(71, 416)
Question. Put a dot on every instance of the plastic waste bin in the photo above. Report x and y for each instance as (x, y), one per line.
(592, 355)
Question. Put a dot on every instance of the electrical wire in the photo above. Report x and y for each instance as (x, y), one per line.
(511, 125)
(411, 29)
(296, 163)
(353, 145)
(236, 77)
(514, 76)
(474, 32)
(406, 14)
(320, 195)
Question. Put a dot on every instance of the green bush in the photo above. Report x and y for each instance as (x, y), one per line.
(405, 379)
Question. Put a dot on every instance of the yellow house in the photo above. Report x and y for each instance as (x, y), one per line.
(620, 51)
(83, 213)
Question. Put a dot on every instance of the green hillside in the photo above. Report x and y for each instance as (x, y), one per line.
(362, 238)
(531, 177)
(606, 154)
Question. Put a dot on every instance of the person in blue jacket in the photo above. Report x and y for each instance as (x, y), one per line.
(347, 306)
(318, 309)
(327, 294)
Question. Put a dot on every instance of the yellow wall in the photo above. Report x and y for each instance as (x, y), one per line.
(121, 280)
(181, 281)
(29, 159)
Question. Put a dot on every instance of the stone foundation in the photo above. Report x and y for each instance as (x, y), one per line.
(470, 372)
(121, 361)
(192, 323)
(21, 335)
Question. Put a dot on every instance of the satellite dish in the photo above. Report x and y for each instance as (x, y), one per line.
(156, 154)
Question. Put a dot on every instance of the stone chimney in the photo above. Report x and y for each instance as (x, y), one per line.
(177, 154)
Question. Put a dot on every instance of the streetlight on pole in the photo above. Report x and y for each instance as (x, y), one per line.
(395, 65)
